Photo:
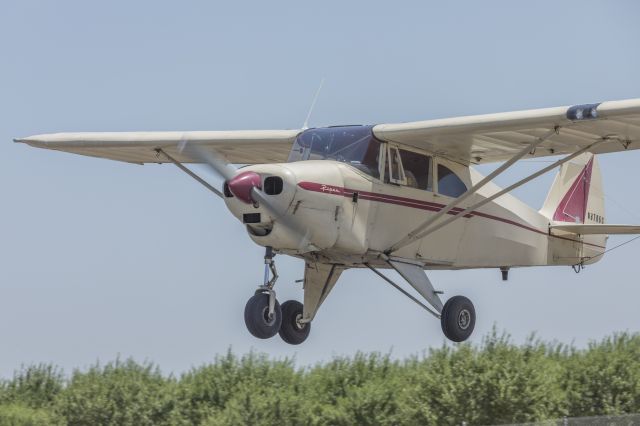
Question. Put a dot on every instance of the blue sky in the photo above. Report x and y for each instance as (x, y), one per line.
(100, 259)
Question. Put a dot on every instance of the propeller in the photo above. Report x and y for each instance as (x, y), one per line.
(246, 186)
(225, 170)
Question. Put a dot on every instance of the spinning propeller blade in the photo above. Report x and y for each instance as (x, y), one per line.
(225, 170)
(285, 220)
(246, 186)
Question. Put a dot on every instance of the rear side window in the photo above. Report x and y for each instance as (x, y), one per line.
(449, 183)
(417, 169)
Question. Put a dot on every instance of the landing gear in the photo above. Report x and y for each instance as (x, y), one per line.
(293, 329)
(263, 315)
(261, 321)
(458, 318)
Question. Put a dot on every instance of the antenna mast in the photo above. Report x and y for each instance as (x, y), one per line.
(313, 104)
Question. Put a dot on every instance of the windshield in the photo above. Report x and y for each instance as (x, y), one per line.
(354, 145)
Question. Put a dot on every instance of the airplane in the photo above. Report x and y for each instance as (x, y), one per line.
(402, 197)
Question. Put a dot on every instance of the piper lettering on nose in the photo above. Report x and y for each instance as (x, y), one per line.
(332, 189)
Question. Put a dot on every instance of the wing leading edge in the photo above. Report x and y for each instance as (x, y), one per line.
(490, 138)
(238, 147)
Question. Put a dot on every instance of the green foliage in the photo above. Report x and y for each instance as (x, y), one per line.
(604, 379)
(35, 386)
(121, 392)
(495, 382)
(249, 390)
(20, 415)
(365, 390)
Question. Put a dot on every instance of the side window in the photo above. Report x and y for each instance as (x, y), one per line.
(394, 167)
(417, 169)
(449, 184)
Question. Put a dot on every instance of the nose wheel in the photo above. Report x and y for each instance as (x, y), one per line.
(261, 321)
(263, 315)
(293, 329)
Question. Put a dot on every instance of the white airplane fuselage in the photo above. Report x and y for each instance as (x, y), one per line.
(351, 218)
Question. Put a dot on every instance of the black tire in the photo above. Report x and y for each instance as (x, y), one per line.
(458, 318)
(291, 331)
(256, 317)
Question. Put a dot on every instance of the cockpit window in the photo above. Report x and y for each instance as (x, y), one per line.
(449, 183)
(417, 169)
(354, 145)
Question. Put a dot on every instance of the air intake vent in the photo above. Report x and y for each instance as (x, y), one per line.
(227, 192)
(251, 218)
(273, 185)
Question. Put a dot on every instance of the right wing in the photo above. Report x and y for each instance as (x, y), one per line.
(597, 229)
(489, 138)
(237, 147)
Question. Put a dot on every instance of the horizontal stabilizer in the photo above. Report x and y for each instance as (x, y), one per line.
(597, 229)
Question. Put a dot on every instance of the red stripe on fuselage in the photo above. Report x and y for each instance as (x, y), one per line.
(419, 204)
(383, 198)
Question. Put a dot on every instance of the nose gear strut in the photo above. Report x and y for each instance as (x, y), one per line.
(262, 313)
(267, 287)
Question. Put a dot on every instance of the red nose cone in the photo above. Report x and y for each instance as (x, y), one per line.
(242, 184)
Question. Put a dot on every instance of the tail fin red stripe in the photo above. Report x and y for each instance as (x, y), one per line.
(573, 207)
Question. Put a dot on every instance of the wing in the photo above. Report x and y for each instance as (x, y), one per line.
(238, 147)
(492, 138)
(597, 229)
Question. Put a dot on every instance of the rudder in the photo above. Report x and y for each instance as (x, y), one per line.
(576, 196)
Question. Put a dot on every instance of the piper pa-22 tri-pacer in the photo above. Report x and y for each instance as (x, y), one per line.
(397, 196)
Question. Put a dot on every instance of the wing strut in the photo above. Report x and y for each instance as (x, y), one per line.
(417, 235)
(190, 173)
(413, 235)
(406, 293)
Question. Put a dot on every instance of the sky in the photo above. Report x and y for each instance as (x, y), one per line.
(100, 259)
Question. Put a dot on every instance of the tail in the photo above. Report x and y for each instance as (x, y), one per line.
(576, 196)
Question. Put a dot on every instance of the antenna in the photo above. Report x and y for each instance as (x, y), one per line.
(313, 104)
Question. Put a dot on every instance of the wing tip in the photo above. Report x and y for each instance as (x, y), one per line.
(30, 140)
(27, 139)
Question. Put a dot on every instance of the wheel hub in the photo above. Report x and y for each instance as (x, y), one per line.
(299, 325)
(268, 318)
(464, 319)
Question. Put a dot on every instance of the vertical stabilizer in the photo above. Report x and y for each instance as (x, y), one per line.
(576, 197)
(576, 194)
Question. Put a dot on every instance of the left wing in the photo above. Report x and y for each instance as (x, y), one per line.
(489, 138)
(597, 229)
(238, 147)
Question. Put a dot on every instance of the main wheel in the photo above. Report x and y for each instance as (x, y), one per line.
(458, 318)
(291, 330)
(257, 319)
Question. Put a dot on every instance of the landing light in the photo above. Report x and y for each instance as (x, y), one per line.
(583, 112)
